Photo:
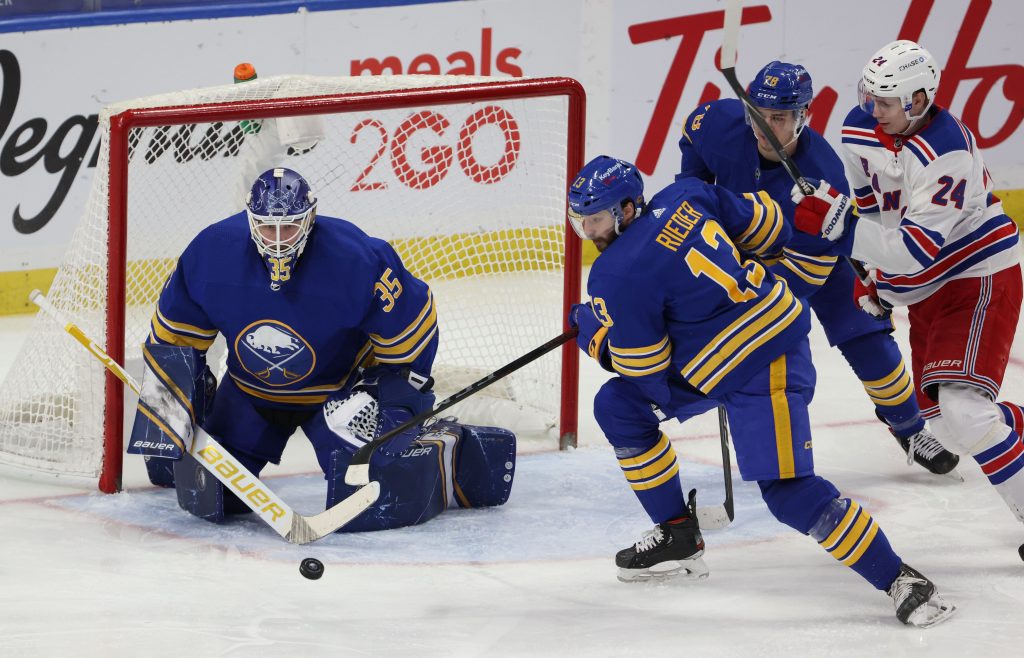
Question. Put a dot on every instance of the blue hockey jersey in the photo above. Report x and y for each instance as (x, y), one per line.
(349, 303)
(718, 146)
(678, 296)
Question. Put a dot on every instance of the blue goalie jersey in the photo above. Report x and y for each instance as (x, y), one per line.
(348, 303)
(680, 294)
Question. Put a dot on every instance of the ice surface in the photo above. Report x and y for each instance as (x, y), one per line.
(85, 574)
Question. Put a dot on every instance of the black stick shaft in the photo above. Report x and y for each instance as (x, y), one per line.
(363, 455)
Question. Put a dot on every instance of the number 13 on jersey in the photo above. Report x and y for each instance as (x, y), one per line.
(722, 262)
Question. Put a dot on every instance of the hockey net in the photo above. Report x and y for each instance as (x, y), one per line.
(466, 178)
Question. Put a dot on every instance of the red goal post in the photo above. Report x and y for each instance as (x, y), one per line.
(482, 220)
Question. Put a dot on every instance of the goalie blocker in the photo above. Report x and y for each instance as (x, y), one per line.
(444, 465)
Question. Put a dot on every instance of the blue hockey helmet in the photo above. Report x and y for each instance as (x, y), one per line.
(783, 86)
(281, 210)
(604, 184)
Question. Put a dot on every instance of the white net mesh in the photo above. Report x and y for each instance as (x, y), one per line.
(470, 193)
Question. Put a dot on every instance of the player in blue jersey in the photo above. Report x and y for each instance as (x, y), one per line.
(326, 331)
(688, 322)
(720, 144)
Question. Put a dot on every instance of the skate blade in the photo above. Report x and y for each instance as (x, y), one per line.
(694, 569)
(932, 613)
(953, 475)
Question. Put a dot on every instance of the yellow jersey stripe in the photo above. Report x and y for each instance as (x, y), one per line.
(160, 334)
(639, 351)
(753, 329)
(182, 328)
(409, 356)
(663, 356)
(780, 413)
(426, 318)
(814, 280)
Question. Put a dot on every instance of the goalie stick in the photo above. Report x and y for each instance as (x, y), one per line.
(730, 38)
(219, 462)
(358, 472)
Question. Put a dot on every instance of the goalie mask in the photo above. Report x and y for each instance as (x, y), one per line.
(281, 210)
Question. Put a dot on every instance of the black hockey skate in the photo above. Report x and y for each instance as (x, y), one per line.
(671, 549)
(926, 450)
(916, 600)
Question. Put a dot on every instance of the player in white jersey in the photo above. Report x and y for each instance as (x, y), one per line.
(940, 244)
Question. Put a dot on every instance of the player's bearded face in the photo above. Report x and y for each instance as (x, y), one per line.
(598, 228)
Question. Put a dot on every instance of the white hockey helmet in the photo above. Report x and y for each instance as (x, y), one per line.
(898, 70)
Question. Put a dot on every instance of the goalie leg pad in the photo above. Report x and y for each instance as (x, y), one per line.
(199, 493)
(412, 487)
(484, 462)
(160, 471)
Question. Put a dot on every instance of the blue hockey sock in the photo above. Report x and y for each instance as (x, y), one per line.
(851, 536)
(877, 361)
(653, 473)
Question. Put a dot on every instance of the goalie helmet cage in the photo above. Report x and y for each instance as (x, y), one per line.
(465, 176)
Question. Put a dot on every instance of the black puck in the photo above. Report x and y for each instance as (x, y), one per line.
(311, 568)
(1020, 551)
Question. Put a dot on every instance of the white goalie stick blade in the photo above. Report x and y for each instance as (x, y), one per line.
(730, 33)
(310, 528)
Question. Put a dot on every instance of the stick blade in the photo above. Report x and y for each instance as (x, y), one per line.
(311, 528)
(713, 518)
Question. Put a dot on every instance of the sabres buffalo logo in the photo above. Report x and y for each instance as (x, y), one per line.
(274, 353)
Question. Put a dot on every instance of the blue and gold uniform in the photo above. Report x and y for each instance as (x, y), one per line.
(347, 304)
(719, 146)
(683, 309)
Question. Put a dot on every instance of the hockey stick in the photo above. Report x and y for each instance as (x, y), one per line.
(730, 37)
(722, 515)
(219, 462)
(358, 473)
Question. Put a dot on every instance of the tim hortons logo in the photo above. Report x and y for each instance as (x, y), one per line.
(241, 483)
(1005, 80)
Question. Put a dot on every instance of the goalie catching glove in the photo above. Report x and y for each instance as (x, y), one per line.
(382, 400)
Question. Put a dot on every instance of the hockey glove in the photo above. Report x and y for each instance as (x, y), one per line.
(400, 395)
(827, 212)
(593, 335)
(865, 295)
